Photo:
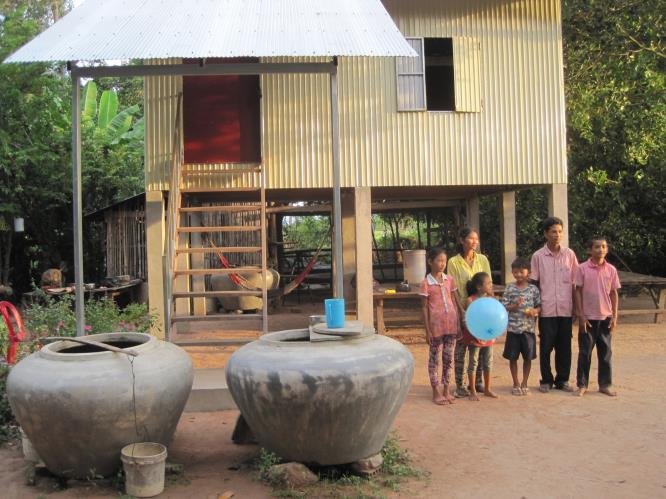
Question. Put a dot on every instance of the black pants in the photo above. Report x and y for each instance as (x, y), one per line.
(599, 334)
(555, 333)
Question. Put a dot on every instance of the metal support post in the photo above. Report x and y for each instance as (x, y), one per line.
(338, 283)
(77, 205)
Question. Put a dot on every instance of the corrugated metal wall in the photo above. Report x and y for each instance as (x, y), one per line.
(160, 101)
(518, 136)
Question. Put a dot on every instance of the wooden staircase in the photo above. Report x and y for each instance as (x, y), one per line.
(195, 226)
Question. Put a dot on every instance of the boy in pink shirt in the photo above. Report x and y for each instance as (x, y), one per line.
(597, 283)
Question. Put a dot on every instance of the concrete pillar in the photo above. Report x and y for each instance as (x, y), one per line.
(474, 214)
(197, 262)
(154, 250)
(508, 246)
(558, 206)
(348, 243)
(363, 226)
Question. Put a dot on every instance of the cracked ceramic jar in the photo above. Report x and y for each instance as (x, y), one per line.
(80, 405)
(326, 403)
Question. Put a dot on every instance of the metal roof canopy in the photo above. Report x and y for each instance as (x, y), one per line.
(162, 29)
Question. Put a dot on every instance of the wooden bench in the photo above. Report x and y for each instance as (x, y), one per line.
(655, 286)
(411, 316)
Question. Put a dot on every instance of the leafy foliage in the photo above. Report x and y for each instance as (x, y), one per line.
(264, 462)
(615, 83)
(8, 425)
(35, 145)
(34, 128)
(55, 317)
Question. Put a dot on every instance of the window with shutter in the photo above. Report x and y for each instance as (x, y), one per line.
(410, 72)
(445, 76)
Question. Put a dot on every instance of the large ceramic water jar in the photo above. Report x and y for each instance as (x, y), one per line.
(80, 405)
(329, 402)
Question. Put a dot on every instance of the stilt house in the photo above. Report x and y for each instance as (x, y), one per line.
(479, 110)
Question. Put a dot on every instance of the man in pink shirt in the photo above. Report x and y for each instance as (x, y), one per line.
(597, 283)
(553, 271)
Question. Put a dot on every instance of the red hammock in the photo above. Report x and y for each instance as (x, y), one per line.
(298, 280)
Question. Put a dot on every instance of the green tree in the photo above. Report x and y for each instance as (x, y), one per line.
(112, 148)
(615, 80)
(33, 136)
(615, 84)
(35, 149)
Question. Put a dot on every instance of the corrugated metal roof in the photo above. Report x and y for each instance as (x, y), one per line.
(160, 29)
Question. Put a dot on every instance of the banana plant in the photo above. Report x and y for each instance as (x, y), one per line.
(108, 121)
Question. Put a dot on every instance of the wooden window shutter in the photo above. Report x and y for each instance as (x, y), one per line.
(410, 75)
(467, 74)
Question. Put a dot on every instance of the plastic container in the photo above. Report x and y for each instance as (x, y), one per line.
(144, 465)
(335, 312)
(414, 267)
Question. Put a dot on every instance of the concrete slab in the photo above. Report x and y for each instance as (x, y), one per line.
(209, 392)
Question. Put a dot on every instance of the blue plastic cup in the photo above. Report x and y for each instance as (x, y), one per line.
(335, 312)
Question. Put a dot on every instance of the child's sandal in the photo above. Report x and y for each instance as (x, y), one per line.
(525, 390)
(516, 391)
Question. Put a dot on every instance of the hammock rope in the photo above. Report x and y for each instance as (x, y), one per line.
(239, 280)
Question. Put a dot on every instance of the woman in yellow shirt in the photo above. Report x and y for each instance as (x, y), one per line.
(461, 268)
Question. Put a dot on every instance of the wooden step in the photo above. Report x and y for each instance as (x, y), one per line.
(647, 311)
(218, 208)
(196, 294)
(236, 270)
(194, 190)
(229, 171)
(228, 228)
(215, 317)
(226, 249)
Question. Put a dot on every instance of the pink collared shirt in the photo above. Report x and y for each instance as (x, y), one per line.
(555, 273)
(596, 283)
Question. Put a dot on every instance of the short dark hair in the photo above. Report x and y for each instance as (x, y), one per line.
(473, 285)
(590, 241)
(521, 263)
(435, 251)
(549, 222)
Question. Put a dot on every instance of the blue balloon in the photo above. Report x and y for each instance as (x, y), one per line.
(486, 319)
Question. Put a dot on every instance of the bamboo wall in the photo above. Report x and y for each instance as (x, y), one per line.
(126, 240)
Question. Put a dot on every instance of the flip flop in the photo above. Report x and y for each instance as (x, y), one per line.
(516, 391)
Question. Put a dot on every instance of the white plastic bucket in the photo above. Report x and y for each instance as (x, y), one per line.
(144, 468)
(414, 266)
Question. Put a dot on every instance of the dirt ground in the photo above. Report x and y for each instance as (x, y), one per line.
(543, 445)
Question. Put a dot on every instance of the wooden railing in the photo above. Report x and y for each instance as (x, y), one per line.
(169, 253)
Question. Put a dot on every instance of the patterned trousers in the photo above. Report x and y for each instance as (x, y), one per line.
(446, 345)
(461, 371)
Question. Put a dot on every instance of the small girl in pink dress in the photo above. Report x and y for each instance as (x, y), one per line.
(441, 312)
